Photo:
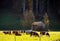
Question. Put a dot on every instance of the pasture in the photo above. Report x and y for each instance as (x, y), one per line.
(54, 36)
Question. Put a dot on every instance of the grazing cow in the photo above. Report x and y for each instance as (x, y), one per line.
(7, 32)
(34, 34)
(22, 31)
(48, 34)
(16, 33)
(45, 33)
(42, 33)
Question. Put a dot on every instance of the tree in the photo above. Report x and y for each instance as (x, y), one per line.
(28, 16)
(28, 19)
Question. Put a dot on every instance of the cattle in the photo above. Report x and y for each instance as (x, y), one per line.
(47, 34)
(44, 33)
(22, 31)
(34, 34)
(7, 32)
(16, 33)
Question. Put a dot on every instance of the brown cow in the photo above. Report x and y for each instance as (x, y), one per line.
(34, 34)
(44, 33)
(16, 33)
(48, 34)
(7, 32)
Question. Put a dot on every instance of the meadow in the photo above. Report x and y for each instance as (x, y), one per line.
(54, 36)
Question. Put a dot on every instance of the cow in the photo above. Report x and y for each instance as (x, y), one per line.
(34, 34)
(45, 33)
(16, 33)
(22, 31)
(7, 32)
(42, 33)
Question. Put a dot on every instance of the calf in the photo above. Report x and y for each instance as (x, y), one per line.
(34, 34)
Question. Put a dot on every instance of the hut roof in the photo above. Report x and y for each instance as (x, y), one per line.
(40, 23)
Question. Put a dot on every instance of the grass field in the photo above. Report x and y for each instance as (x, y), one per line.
(54, 36)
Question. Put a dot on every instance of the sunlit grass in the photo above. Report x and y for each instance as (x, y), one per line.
(54, 36)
